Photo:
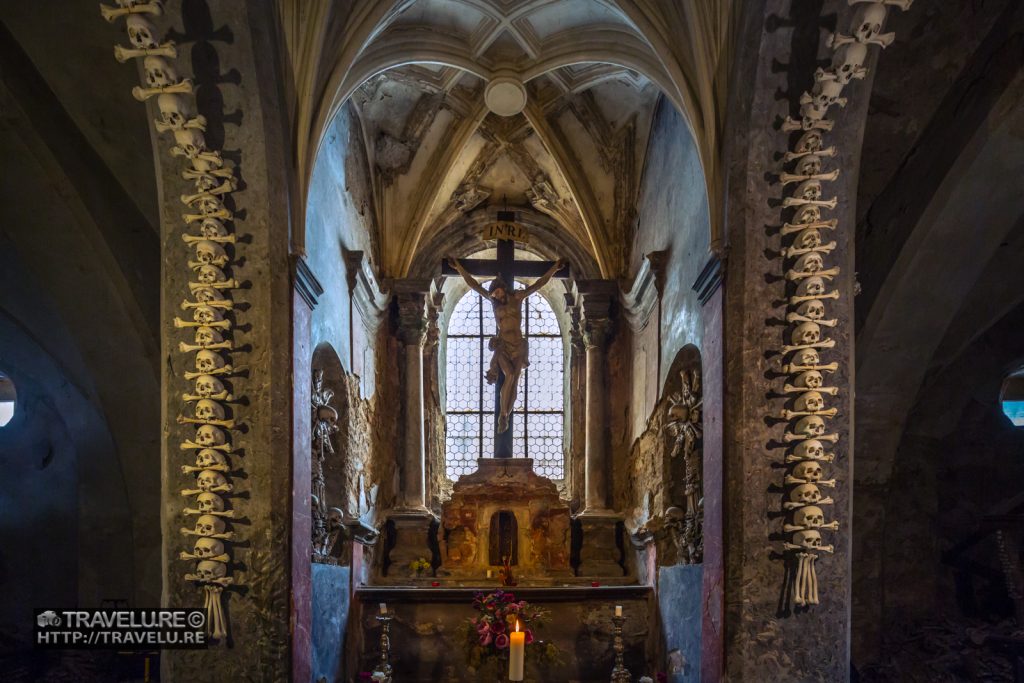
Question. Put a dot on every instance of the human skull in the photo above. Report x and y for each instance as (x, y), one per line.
(209, 204)
(812, 286)
(205, 315)
(826, 93)
(810, 402)
(207, 361)
(808, 470)
(190, 141)
(814, 309)
(808, 213)
(208, 570)
(209, 274)
(208, 547)
(848, 62)
(208, 458)
(807, 357)
(810, 263)
(209, 436)
(209, 502)
(808, 494)
(812, 448)
(808, 539)
(809, 142)
(327, 414)
(174, 112)
(208, 385)
(809, 190)
(209, 479)
(209, 410)
(811, 379)
(210, 253)
(207, 294)
(141, 33)
(208, 525)
(868, 20)
(807, 333)
(809, 165)
(811, 517)
(211, 227)
(810, 426)
(207, 335)
(159, 72)
(809, 238)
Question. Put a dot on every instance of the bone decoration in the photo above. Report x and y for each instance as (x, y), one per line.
(807, 272)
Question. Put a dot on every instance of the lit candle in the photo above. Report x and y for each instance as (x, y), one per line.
(383, 608)
(516, 650)
(618, 610)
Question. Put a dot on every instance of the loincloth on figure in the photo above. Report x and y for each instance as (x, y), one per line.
(516, 353)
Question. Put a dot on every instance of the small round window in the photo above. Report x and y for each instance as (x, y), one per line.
(8, 397)
(1012, 398)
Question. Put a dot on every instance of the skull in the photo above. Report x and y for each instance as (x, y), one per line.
(207, 335)
(810, 263)
(159, 72)
(808, 239)
(190, 141)
(209, 204)
(209, 410)
(808, 494)
(208, 458)
(208, 547)
(208, 253)
(811, 517)
(211, 227)
(809, 165)
(174, 112)
(205, 315)
(209, 436)
(809, 213)
(327, 414)
(811, 379)
(207, 294)
(808, 539)
(807, 357)
(812, 448)
(208, 525)
(141, 33)
(209, 479)
(806, 333)
(810, 402)
(208, 385)
(808, 471)
(848, 62)
(209, 274)
(809, 190)
(207, 361)
(206, 182)
(812, 286)
(210, 502)
(815, 309)
(208, 570)
(810, 426)
(809, 142)
(868, 20)
(826, 93)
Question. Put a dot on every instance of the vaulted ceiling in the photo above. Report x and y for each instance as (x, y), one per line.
(592, 70)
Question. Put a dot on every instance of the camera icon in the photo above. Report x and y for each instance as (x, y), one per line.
(48, 618)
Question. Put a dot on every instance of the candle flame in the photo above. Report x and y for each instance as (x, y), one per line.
(517, 626)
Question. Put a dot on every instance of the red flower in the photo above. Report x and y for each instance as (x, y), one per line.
(529, 636)
(501, 642)
(486, 638)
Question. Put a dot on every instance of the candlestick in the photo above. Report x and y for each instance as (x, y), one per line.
(516, 652)
(620, 674)
(384, 666)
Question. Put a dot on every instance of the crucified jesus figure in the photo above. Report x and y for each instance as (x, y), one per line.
(511, 354)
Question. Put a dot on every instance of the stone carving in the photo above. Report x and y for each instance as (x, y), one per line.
(325, 425)
(684, 429)
(211, 306)
(807, 279)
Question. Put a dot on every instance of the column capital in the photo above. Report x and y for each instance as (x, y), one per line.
(363, 287)
(411, 296)
(596, 298)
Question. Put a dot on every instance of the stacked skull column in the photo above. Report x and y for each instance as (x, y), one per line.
(207, 307)
(806, 250)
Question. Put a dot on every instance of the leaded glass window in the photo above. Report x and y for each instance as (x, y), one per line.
(469, 400)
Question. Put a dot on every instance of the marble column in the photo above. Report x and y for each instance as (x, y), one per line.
(412, 327)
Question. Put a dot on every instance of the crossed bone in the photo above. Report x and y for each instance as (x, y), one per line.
(788, 228)
(790, 389)
(219, 284)
(227, 304)
(110, 13)
(822, 548)
(806, 123)
(219, 261)
(226, 370)
(186, 348)
(790, 479)
(794, 300)
(222, 239)
(801, 274)
(227, 424)
(215, 513)
(797, 318)
(222, 396)
(787, 178)
(794, 506)
(223, 557)
(223, 488)
(827, 457)
(194, 174)
(223, 581)
(192, 445)
(793, 528)
(197, 123)
(221, 213)
(883, 40)
(790, 252)
(790, 369)
(229, 185)
(223, 324)
(790, 414)
(123, 54)
(797, 201)
(206, 157)
(183, 87)
(823, 344)
(789, 437)
(189, 469)
(825, 152)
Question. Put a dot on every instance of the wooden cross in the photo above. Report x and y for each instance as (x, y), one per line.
(506, 268)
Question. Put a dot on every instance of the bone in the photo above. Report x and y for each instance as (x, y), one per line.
(123, 54)
(222, 396)
(215, 513)
(186, 348)
(883, 40)
(902, 4)
(193, 174)
(223, 581)
(226, 370)
(222, 214)
(191, 445)
(190, 469)
(791, 369)
(223, 488)
(801, 274)
(216, 558)
(226, 536)
(228, 424)
(821, 501)
(222, 324)
(222, 239)
(789, 437)
(823, 344)
(197, 123)
(795, 300)
(796, 317)
(111, 13)
(826, 152)
(796, 201)
(789, 228)
(827, 457)
(790, 389)
(822, 548)
(807, 99)
(790, 414)
(182, 88)
(218, 284)
(793, 528)
(787, 178)
(229, 185)
(790, 252)
(205, 161)
(226, 304)
(806, 123)
(790, 480)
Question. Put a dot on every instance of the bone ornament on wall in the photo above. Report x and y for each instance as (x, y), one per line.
(808, 276)
(207, 309)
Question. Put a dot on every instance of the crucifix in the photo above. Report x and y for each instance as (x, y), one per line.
(509, 345)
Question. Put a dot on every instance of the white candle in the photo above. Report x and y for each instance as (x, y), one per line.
(489, 574)
(383, 608)
(516, 651)
(618, 610)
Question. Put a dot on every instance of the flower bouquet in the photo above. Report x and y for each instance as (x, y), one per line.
(487, 634)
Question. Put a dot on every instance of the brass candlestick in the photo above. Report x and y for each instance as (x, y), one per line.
(620, 674)
(384, 666)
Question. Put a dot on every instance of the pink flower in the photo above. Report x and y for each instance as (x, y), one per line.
(485, 639)
(501, 642)
(529, 636)
(499, 626)
(483, 627)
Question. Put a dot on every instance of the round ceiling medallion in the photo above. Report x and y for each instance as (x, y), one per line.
(505, 96)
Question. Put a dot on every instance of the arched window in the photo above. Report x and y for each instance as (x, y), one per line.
(1011, 398)
(469, 400)
(8, 398)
